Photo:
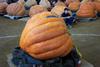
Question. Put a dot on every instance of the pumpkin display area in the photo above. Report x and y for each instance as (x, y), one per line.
(15, 9)
(36, 9)
(3, 7)
(46, 37)
(86, 10)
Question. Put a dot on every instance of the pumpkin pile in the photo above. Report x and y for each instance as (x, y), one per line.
(3, 7)
(46, 37)
(36, 9)
(15, 9)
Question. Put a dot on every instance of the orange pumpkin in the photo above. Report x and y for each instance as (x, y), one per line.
(58, 10)
(3, 7)
(15, 9)
(97, 6)
(36, 9)
(86, 10)
(46, 38)
(74, 6)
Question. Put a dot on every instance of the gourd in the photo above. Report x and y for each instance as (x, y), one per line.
(58, 10)
(46, 37)
(97, 6)
(15, 9)
(74, 6)
(36, 9)
(3, 7)
(86, 10)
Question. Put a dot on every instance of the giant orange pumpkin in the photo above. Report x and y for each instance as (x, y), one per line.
(58, 10)
(46, 37)
(3, 7)
(36, 9)
(86, 10)
(97, 6)
(74, 6)
(15, 9)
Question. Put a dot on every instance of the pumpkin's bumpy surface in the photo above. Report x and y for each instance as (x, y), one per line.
(15, 9)
(36, 9)
(46, 38)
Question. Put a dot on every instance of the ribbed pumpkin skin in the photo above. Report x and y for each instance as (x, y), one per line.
(58, 10)
(74, 6)
(36, 9)
(97, 6)
(46, 38)
(86, 10)
(3, 7)
(15, 9)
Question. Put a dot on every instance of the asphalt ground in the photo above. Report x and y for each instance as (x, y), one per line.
(86, 36)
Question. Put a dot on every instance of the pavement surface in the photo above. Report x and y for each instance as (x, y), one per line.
(86, 36)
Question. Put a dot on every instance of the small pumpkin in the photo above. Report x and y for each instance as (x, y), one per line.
(74, 6)
(97, 6)
(3, 7)
(58, 10)
(46, 37)
(60, 3)
(36, 9)
(86, 10)
(15, 9)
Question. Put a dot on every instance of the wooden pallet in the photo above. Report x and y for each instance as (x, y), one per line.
(84, 62)
(15, 17)
(2, 14)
